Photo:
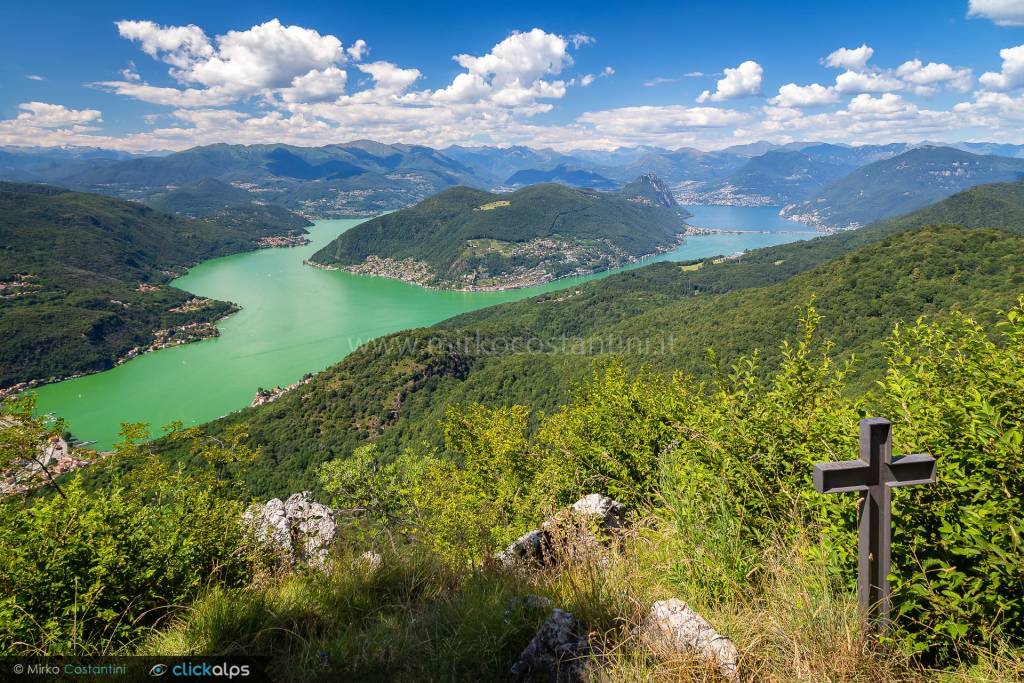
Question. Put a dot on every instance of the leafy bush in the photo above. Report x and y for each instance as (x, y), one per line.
(728, 463)
(95, 571)
(956, 392)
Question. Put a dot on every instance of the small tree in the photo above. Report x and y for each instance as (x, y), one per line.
(26, 437)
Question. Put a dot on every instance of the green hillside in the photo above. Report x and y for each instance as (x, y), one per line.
(901, 184)
(663, 316)
(439, 446)
(395, 390)
(222, 203)
(71, 265)
(465, 237)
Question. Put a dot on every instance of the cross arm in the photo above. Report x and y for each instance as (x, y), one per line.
(841, 477)
(908, 470)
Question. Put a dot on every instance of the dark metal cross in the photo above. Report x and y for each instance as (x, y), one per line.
(874, 475)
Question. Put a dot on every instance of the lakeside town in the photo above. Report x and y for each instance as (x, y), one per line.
(557, 257)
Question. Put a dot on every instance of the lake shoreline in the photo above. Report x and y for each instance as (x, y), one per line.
(296, 320)
(418, 273)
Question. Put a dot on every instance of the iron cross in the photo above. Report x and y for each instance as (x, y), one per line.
(874, 475)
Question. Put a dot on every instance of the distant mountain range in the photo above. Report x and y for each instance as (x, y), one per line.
(774, 178)
(366, 178)
(562, 174)
(901, 184)
(471, 239)
(358, 178)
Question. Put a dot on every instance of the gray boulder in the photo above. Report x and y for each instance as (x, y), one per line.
(533, 547)
(300, 529)
(559, 652)
(567, 534)
(673, 626)
(611, 514)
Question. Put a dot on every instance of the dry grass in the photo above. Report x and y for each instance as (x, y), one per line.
(415, 619)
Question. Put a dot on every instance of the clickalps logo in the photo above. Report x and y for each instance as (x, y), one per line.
(201, 670)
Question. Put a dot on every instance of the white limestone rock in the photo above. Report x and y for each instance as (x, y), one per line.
(610, 513)
(673, 625)
(559, 652)
(300, 529)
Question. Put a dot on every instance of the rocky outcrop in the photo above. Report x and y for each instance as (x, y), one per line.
(300, 529)
(608, 513)
(532, 547)
(673, 626)
(568, 533)
(559, 652)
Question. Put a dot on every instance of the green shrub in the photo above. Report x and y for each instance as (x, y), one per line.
(957, 392)
(95, 571)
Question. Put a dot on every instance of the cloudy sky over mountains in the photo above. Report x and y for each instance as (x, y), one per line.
(701, 74)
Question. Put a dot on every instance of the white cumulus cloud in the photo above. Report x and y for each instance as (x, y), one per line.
(1012, 74)
(388, 77)
(178, 46)
(45, 124)
(1002, 12)
(927, 77)
(316, 86)
(851, 59)
(853, 82)
(743, 81)
(235, 65)
(642, 122)
(357, 50)
(813, 95)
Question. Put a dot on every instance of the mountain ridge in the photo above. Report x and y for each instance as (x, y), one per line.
(901, 184)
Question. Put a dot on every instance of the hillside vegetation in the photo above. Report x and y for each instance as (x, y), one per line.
(698, 395)
(470, 238)
(664, 316)
(716, 478)
(224, 204)
(71, 266)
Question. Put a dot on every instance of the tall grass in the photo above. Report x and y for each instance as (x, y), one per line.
(417, 619)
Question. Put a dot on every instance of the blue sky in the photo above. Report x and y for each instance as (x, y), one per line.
(142, 76)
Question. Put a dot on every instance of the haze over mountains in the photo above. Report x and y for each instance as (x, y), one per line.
(821, 184)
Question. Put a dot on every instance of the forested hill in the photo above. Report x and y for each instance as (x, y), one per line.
(395, 390)
(903, 183)
(71, 266)
(470, 238)
(222, 203)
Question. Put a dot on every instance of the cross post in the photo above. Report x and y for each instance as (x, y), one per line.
(874, 475)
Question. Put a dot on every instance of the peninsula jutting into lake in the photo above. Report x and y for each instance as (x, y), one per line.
(479, 241)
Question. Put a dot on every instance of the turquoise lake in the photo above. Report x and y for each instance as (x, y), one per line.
(296, 319)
